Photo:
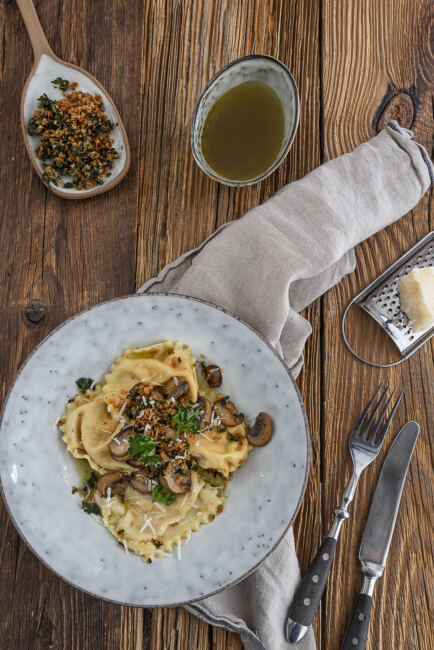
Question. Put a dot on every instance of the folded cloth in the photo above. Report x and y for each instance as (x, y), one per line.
(268, 266)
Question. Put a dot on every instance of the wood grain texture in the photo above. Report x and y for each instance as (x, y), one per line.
(375, 60)
(357, 64)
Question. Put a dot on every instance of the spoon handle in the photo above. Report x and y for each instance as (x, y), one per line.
(34, 29)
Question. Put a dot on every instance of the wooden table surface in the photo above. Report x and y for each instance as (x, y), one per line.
(357, 63)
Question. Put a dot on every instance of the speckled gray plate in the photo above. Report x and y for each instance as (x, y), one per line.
(37, 472)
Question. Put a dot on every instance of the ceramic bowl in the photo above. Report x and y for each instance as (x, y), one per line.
(37, 473)
(256, 67)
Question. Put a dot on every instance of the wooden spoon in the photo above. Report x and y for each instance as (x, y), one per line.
(48, 66)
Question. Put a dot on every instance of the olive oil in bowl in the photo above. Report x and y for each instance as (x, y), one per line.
(243, 132)
(245, 120)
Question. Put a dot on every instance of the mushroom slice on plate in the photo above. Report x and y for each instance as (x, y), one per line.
(136, 462)
(205, 411)
(140, 482)
(156, 395)
(178, 478)
(227, 412)
(175, 388)
(213, 376)
(116, 481)
(134, 391)
(261, 431)
(119, 445)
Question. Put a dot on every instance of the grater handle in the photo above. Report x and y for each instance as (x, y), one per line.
(354, 353)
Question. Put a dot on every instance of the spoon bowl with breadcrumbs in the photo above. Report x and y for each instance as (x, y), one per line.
(72, 130)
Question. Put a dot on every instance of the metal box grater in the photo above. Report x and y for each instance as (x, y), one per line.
(381, 301)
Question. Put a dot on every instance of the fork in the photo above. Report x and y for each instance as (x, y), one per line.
(365, 445)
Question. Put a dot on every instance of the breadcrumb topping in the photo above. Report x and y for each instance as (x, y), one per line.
(75, 140)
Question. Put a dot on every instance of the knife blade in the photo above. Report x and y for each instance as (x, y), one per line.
(379, 529)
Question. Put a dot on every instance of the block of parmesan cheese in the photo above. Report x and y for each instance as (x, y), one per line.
(416, 292)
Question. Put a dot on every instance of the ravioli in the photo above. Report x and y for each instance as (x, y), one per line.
(147, 431)
(156, 364)
(223, 451)
(88, 429)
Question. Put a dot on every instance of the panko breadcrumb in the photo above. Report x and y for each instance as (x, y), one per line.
(75, 140)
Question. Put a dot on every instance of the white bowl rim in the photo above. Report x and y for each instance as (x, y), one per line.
(306, 429)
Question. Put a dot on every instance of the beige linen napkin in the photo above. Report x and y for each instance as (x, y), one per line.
(268, 266)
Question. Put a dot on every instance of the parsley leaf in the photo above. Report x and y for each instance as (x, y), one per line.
(84, 383)
(187, 418)
(91, 481)
(162, 495)
(143, 448)
(62, 83)
(91, 508)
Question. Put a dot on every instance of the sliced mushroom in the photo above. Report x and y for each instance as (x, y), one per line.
(119, 445)
(261, 431)
(227, 412)
(213, 375)
(135, 462)
(140, 482)
(134, 391)
(176, 388)
(156, 395)
(178, 481)
(205, 411)
(116, 481)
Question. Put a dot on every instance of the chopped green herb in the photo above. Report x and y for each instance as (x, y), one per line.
(232, 437)
(221, 429)
(75, 147)
(162, 495)
(91, 481)
(187, 418)
(121, 531)
(74, 490)
(63, 84)
(84, 383)
(142, 447)
(157, 543)
(179, 360)
(91, 508)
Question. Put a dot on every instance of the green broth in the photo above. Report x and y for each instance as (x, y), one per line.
(243, 131)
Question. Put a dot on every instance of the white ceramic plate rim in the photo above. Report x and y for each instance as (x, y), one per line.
(306, 430)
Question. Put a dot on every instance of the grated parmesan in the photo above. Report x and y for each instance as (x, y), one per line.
(179, 550)
(122, 410)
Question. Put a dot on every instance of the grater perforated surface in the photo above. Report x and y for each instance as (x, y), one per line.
(381, 300)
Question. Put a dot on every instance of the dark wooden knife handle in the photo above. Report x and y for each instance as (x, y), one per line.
(357, 631)
(308, 595)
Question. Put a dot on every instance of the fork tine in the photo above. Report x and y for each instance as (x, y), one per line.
(371, 435)
(365, 412)
(365, 432)
(388, 421)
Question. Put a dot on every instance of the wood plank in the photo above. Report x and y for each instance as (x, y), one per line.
(371, 51)
(65, 256)
(179, 206)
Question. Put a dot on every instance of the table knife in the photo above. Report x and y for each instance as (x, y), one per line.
(379, 530)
